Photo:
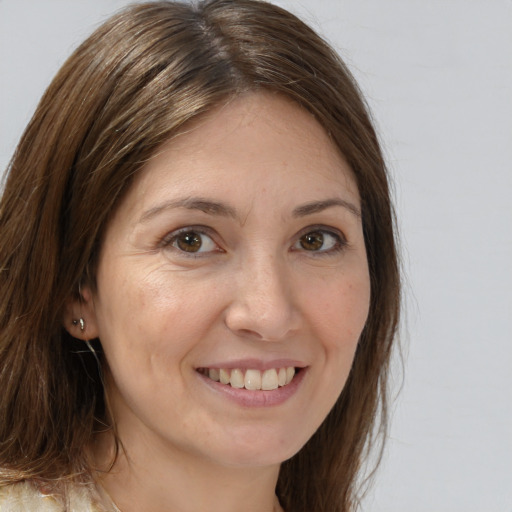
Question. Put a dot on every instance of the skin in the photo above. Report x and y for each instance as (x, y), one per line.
(255, 290)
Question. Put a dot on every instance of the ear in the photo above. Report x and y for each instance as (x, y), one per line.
(80, 317)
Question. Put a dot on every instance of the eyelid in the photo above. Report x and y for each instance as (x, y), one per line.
(330, 230)
(168, 240)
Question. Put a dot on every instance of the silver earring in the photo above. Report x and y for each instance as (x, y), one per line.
(80, 322)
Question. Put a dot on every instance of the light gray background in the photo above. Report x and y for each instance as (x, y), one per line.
(438, 76)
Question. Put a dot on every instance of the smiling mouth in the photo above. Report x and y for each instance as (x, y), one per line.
(251, 379)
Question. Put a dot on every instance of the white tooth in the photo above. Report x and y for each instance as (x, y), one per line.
(237, 378)
(269, 380)
(213, 373)
(282, 376)
(224, 376)
(290, 372)
(252, 379)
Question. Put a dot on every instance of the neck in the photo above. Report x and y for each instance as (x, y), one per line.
(159, 479)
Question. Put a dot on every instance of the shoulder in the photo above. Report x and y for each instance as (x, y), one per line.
(30, 497)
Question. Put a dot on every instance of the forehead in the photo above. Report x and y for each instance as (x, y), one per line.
(254, 142)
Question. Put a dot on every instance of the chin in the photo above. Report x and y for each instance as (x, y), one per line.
(258, 449)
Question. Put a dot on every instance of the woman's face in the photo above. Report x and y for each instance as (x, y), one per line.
(236, 258)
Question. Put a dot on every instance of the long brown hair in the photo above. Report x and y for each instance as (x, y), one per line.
(127, 89)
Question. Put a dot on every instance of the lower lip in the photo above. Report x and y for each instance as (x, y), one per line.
(257, 398)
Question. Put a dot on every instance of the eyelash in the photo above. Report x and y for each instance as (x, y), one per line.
(171, 240)
(340, 242)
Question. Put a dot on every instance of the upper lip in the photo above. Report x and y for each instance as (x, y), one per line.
(255, 364)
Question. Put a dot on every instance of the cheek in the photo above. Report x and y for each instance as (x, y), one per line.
(152, 318)
(339, 316)
(339, 311)
(146, 327)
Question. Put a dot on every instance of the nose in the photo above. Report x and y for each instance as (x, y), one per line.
(263, 305)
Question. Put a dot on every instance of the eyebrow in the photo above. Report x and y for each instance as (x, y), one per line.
(319, 206)
(215, 208)
(192, 203)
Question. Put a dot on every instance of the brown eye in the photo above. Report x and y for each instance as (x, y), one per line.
(189, 242)
(320, 241)
(192, 242)
(312, 241)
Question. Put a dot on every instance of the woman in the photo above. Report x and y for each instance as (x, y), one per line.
(199, 280)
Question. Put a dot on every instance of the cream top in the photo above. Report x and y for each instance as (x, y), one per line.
(28, 496)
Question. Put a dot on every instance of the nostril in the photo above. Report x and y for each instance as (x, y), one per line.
(250, 333)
